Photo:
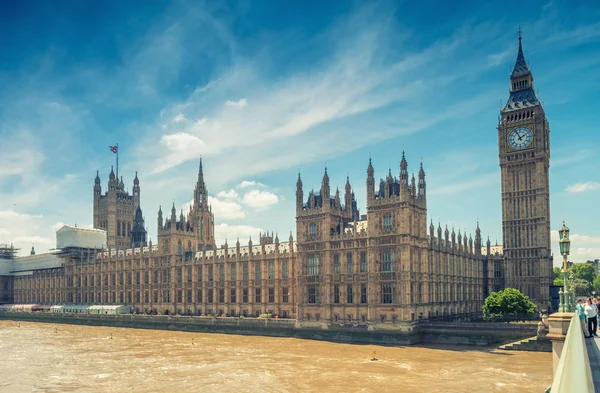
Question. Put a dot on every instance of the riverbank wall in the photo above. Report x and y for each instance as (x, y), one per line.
(401, 333)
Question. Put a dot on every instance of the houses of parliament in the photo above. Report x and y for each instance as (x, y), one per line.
(389, 265)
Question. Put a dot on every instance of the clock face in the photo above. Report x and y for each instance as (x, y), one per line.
(520, 138)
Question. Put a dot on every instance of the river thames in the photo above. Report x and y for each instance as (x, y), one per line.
(38, 357)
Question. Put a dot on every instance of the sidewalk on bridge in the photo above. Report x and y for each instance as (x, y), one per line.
(593, 350)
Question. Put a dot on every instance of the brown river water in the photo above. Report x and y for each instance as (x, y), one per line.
(38, 357)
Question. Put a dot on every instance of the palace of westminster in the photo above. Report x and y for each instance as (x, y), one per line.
(386, 266)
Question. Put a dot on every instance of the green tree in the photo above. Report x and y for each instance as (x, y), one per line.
(557, 273)
(582, 287)
(584, 271)
(509, 301)
(596, 283)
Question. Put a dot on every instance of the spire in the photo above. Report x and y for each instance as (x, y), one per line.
(136, 181)
(403, 163)
(370, 170)
(112, 174)
(421, 172)
(299, 182)
(97, 179)
(32, 250)
(521, 68)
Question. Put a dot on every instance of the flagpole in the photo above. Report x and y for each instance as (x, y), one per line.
(117, 162)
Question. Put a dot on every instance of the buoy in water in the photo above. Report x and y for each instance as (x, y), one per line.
(374, 359)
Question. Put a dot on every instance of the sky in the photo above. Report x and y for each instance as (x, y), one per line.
(263, 90)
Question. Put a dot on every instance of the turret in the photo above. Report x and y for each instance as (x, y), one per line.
(173, 215)
(370, 183)
(325, 191)
(421, 193)
(403, 172)
(338, 202)
(32, 251)
(299, 196)
(136, 191)
(160, 218)
(97, 185)
(478, 240)
(348, 197)
(413, 188)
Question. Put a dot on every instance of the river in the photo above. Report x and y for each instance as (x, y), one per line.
(38, 357)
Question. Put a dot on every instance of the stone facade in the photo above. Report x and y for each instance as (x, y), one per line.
(524, 151)
(114, 211)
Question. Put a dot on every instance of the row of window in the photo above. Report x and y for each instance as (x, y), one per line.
(387, 294)
(387, 262)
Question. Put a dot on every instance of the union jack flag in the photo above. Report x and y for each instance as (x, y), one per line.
(114, 149)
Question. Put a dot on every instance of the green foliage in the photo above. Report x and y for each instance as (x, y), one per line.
(559, 281)
(582, 287)
(596, 283)
(584, 271)
(556, 273)
(510, 301)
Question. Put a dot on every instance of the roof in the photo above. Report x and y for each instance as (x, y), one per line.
(521, 68)
(520, 100)
(80, 229)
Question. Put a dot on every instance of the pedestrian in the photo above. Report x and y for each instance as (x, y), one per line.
(582, 321)
(591, 312)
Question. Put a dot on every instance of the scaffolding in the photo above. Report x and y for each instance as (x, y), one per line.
(8, 251)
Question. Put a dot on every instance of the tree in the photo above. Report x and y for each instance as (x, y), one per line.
(582, 287)
(509, 301)
(596, 283)
(557, 273)
(584, 271)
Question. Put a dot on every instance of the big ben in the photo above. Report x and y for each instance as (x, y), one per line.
(524, 153)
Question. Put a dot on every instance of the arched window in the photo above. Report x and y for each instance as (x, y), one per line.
(189, 245)
(179, 248)
(118, 228)
(123, 233)
(128, 228)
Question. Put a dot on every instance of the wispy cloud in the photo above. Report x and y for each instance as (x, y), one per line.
(581, 187)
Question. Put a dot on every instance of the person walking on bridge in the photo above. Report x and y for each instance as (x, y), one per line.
(582, 320)
(591, 312)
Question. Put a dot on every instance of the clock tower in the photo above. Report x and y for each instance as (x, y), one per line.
(524, 152)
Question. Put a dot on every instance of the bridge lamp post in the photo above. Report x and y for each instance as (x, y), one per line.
(566, 304)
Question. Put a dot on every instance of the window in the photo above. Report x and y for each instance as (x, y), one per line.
(245, 271)
(312, 229)
(284, 270)
(166, 296)
(221, 296)
(118, 228)
(363, 293)
(285, 295)
(179, 248)
(245, 295)
(271, 270)
(313, 265)
(387, 293)
(221, 273)
(313, 294)
(349, 262)
(363, 261)
(336, 263)
(336, 293)
(179, 298)
(146, 277)
(199, 296)
(257, 272)
(154, 295)
(166, 246)
(497, 270)
(271, 295)
(257, 297)
(387, 261)
(387, 222)
(232, 272)
(210, 273)
(128, 278)
(349, 294)
(179, 275)
(137, 278)
(199, 274)
(154, 277)
(232, 297)
(188, 296)
(210, 295)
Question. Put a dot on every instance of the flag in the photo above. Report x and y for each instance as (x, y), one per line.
(114, 149)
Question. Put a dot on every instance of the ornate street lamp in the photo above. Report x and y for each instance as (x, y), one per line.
(566, 304)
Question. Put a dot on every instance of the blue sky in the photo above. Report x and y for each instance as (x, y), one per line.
(263, 90)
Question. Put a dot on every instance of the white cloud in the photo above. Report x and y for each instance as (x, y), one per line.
(581, 187)
(19, 229)
(231, 194)
(233, 232)
(259, 200)
(236, 104)
(179, 118)
(247, 183)
(181, 147)
(226, 210)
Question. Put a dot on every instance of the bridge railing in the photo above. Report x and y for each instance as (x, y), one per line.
(573, 373)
